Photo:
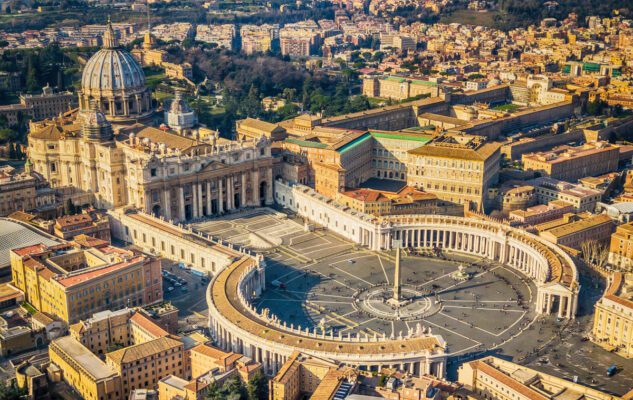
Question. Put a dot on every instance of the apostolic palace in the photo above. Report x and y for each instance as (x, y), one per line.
(111, 153)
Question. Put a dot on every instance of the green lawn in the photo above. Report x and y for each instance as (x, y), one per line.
(153, 76)
(470, 17)
(162, 96)
(217, 110)
(375, 102)
(28, 307)
(507, 107)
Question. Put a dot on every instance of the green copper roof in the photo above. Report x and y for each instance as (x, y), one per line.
(352, 144)
(415, 138)
(307, 143)
(426, 83)
(394, 78)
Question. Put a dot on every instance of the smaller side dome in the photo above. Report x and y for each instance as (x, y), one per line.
(94, 125)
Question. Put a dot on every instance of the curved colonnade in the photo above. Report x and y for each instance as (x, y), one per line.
(237, 326)
(551, 269)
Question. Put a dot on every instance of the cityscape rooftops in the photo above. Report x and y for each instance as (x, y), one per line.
(465, 147)
(84, 357)
(142, 350)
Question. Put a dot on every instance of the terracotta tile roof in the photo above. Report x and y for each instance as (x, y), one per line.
(328, 386)
(33, 249)
(139, 351)
(8, 292)
(613, 290)
(482, 153)
(55, 131)
(289, 367)
(210, 351)
(88, 275)
(86, 241)
(159, 136)
(196, 385)
(69, 220)
(148, 325)
(508, 381)
(257, 124)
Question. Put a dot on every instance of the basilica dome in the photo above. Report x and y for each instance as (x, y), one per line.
(112, 69)
(115, 80)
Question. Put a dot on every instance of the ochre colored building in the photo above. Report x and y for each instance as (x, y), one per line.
(613, 318)
(73, 282)
(621, 247)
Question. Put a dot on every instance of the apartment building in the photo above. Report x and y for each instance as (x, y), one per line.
(581, 198)
(542, 212)
(621, 247)
(572, 163)
(495, 378)
(143, 365)
(613, 318)
(73, 282)
(303, 375)
(456, 168)
(83, 371)
(572, 230)
(24, 191)
(88, 223)
(398, 88)
(258, 38)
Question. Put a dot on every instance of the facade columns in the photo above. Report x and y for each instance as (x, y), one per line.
(181, 204)
(229, 193)
(243, 195)
(269, 192)
(220, 197)
(255, 177)
(199, 194)
(209, 210)
(194, 200)
(167, 204)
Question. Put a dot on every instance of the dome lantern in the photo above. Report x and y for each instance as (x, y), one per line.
(109, 37)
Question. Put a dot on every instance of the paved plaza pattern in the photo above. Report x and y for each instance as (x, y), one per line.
(316, 279)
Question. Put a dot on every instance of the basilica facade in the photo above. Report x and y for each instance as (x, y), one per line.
(109, 153)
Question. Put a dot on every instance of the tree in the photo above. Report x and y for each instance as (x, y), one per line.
(11, 151)
(594, 252)
(11, 392)
(31, 74)
(475, 76)
(289, 94)
(18, 152)
(257, 387)
(70, 207)
(595, 107)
